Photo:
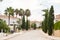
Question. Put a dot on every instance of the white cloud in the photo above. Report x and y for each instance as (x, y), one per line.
(56, 1)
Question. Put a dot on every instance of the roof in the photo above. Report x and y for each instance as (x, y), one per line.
(4, 16)
(58, 16)
(36, 21)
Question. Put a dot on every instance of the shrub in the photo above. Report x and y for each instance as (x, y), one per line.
(4, 26)
(33, 26)
(57, 25)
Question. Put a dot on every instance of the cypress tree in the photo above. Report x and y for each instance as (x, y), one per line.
(45, 22)
(43, 26)
(23, 22)
(27, 25)
(51, 21)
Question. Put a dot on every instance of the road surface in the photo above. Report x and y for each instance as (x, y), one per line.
(31, 35)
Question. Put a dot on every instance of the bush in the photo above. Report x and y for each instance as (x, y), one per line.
(33, 26)
(57, 25)
(19, 24)
(4, 26)
(19, 27)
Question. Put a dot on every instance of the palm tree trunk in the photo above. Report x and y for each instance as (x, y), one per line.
(14, 28)
(9, 20)
(26, 18)
(21, 20)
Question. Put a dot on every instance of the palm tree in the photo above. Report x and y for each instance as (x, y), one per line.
(9, 12)
(6, 12)
(16, 11)
(27, 13)
(14, 28)
(21, 12)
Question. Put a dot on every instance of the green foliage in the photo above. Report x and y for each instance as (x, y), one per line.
(3, 26)
(16, 12)
(27, 25)
(51, 21)
(19, 27)
(45, 22)
(9, 11)
(23, 22)
(27, 12)
(44, 28)
(19, 24)
(48, 23)
(57, 25)
(33, 26)
(21, 12)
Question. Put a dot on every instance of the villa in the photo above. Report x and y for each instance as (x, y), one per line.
(57, 17)
(13, 20)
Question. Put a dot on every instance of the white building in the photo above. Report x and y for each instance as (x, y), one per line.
(57, 18)
(38, 23)
(12, 20)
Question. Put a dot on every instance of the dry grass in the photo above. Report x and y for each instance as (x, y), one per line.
(57, 33)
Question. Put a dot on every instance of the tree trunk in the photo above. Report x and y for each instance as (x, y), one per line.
(14, 28)
(26, 18)
(9, 20)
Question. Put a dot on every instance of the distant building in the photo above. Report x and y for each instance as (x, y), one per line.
(57, 18)
(38, 23)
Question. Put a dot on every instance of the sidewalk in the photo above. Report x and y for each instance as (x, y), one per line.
(12, 35)
(50, 37)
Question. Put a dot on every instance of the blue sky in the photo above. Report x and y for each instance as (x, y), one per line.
(34, 5)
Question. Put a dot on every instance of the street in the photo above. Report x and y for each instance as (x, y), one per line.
(32, 35)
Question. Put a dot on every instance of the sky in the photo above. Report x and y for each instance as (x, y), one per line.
(36, 7)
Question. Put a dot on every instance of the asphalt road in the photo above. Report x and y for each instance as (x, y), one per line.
(31, 35)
